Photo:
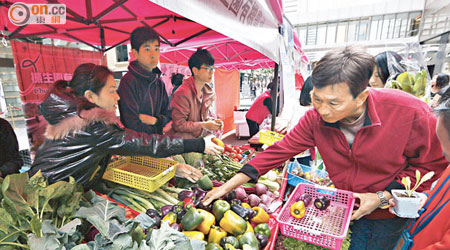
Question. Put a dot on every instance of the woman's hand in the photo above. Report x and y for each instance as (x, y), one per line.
(217, 193)
(212, 148)
(211, 125)
(188, 172)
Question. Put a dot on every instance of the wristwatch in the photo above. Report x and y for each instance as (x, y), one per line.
(384, 203)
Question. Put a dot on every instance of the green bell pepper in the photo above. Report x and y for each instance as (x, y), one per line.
(191, 219)
(263, 229)
(248, 241)
(230, 240)
(219, 208)
(213, 246)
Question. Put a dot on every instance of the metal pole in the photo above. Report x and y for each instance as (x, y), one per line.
(12, 116)
(274, 95)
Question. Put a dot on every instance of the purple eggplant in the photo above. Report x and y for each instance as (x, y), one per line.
(230, 196)
(165, 210)
(156, 216)
(306, 198)
(322, 202)
(207, 208)
(199, 194)
(185, 194)
(179, 211)
(263, 240)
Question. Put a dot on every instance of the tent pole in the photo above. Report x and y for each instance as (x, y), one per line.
(274, 95)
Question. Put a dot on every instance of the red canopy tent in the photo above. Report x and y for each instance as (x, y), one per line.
(240, 34)
(107, 23)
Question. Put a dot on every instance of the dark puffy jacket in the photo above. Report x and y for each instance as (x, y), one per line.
(81, 147)
(10, 160)
(143, 92)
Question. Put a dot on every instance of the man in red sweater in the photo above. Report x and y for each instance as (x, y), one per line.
(368, 139)
(431, 231)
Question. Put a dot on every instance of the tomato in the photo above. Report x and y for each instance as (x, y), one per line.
(227, 148)
(232, 155)
(239, 157)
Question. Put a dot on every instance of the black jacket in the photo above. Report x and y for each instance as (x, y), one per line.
(10, 160)
(81, 145)
(143, 92)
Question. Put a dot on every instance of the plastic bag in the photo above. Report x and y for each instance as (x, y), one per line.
(409, 73)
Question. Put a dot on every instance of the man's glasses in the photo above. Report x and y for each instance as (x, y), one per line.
(209, 69)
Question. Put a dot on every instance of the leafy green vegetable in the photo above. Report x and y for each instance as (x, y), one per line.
(167, 238)
(192, 158)
(294, 244)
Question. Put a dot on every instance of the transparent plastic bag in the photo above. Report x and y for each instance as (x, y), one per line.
(409, 73)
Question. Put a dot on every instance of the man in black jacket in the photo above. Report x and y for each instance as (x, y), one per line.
(144, 103)
(10, 160)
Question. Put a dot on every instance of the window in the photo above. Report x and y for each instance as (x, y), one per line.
(122, 53)
(331, 33)
(312, 35)
(341, 32)
(352, 29)
(321, 34)
(363, 30)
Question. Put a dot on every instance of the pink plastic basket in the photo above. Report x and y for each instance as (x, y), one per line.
(326, 228)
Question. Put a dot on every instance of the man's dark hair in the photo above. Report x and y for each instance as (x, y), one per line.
(142, 35)
(443, 110)
(200, 57)
(381, 61)
(442, 80)
(350, 65)
(305, 94)
(177, 79)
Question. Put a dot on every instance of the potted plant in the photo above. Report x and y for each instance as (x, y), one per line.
(407, 201)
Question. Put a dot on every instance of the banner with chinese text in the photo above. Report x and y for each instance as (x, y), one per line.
(38, 67)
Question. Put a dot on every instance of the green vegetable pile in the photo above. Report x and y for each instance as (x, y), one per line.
(220, 167)
(287, 243)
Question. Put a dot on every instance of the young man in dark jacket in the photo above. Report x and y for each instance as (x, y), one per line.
(10, 160)
(144, 104)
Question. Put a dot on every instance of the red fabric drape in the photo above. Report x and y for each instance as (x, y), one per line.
(226, 85)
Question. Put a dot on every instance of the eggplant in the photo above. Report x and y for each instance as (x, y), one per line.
(179, 211)
(235, 202)
(185, 194)
(165, 210)
(230, 196)
(207, 208)
(263, 240)
(155, 215)
(199, 194)
(241, 211)
(322, 202)
(306, 198)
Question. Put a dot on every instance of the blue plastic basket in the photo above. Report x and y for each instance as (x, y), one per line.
(294, 180)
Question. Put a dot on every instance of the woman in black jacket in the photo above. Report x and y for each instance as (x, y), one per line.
(84, 131)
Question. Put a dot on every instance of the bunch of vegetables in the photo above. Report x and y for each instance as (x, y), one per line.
(229, 223)
(139, 200)
(287, 243)
(235, 153)
(219, 167)
(414, 83)
(312, 176)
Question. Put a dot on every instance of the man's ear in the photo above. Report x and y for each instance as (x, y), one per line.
(90, 96)
(135, 53)
(362, 97)
(194, 70)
